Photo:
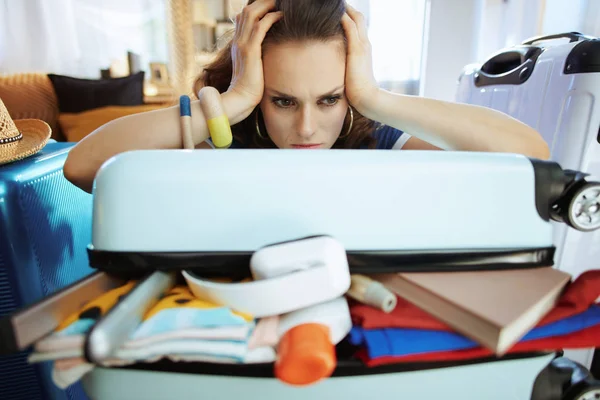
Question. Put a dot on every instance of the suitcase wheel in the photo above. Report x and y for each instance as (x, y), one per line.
(583, 392)
(583, 211)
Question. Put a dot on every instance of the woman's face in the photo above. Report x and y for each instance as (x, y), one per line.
(304, 104)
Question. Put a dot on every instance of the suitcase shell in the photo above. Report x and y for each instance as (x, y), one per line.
(409, 209)
(553, 85)
(45, 226)
(495, 380)
(161, 202)
(232, 202)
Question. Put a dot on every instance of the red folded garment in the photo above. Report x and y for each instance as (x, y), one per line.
(578, 296)
(586, 338)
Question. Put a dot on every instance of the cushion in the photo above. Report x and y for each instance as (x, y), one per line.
(78, 94)
(76, 126)
(31, 95)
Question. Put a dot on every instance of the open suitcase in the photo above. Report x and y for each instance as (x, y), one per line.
(207, 212)
(45, 226)
(551, 83)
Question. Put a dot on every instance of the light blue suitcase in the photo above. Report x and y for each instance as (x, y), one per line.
(173, 210)
(527, 376)
(45, 226)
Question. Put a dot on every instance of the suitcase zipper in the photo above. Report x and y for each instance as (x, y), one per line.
(235, 265)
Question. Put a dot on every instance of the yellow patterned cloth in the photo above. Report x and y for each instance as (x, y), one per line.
(182, 297)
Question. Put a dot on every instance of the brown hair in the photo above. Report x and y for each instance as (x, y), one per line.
(302, 20)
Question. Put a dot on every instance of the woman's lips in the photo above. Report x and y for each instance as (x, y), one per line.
(306, 146)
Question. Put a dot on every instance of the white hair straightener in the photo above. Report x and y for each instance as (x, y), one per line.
(287, 276)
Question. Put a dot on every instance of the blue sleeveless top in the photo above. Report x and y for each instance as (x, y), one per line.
(386, 137)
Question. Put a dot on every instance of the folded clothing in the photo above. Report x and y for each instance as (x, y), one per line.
(180, 315)
(265, 334)
(179, 324)
(406, 341)
(67, 371)
(236, 351)
(178, 327)
(578, 296)
(582, 339)
(70, 333)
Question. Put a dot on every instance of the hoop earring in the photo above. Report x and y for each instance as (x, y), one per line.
(260, 135)
(349, 126)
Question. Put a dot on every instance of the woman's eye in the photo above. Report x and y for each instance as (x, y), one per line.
(330, 101)
(283, 103)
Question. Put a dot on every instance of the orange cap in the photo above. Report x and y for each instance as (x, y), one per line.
(305, 355)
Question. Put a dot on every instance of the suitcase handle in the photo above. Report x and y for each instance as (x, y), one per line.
(572, 36)
(511, 66)
(507, 60)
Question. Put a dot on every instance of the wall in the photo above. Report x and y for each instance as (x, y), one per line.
(591, 21)
(564, 16)
(450, 44)
(462, 32)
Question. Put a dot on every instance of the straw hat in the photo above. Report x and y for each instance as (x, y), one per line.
(20, 138)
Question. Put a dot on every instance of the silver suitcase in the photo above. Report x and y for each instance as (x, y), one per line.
(552, 83)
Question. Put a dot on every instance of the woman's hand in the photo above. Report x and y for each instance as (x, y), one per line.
(252, 24)
(361, 85)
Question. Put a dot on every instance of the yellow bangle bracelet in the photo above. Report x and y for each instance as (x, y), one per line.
(220, 131)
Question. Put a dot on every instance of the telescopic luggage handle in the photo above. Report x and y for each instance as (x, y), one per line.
(514, 65)
(572, 36)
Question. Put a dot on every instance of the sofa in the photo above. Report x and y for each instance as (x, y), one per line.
(74, 107)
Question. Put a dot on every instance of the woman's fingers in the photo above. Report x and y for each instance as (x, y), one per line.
(238, 27)
(350, 30)
(250, 15)
(263, 26)
(359, 22)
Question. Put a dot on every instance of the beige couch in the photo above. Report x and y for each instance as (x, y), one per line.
(31, 95)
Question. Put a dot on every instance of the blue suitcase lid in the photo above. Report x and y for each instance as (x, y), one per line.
(53, 149)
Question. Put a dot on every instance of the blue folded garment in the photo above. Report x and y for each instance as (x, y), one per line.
(403, 342)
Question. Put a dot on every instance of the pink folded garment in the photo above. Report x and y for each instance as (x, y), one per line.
(265, 333)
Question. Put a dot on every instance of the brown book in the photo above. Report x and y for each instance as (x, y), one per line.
(494, 308)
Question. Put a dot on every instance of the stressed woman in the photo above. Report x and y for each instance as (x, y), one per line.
(298, 74)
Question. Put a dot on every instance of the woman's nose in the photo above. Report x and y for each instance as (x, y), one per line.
(306, 123)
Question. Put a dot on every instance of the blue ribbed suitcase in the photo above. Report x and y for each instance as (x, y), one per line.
(45, 226)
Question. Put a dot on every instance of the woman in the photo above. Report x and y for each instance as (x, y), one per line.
(298, 74)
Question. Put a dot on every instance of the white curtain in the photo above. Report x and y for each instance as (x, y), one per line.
(79, 37)
(37, 35)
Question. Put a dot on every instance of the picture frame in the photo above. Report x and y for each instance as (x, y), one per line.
(159, 73)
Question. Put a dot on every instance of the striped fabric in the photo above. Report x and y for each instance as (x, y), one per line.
(31, 95)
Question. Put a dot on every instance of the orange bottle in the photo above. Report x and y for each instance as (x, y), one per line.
(307, 338)
(305, 355)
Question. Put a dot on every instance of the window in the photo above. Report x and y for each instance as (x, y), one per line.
(396, 31)
(80, 37)
(107, 29)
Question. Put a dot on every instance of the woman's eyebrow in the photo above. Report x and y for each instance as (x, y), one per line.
(287, 96)
(332, 92)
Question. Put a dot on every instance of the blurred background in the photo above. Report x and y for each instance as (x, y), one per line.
(419, 46)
